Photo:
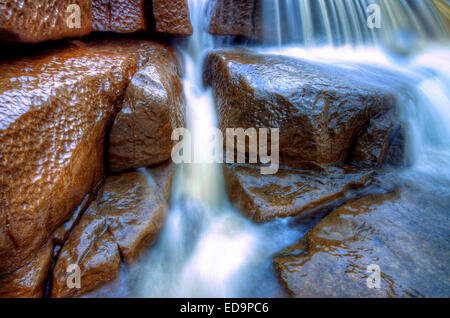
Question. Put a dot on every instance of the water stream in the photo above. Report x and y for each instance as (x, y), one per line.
(207, 248)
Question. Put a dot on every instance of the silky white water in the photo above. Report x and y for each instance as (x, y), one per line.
(208, 249)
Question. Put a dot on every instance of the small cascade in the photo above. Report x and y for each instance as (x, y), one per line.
(207, 249)
(206, 246)
(312, 23)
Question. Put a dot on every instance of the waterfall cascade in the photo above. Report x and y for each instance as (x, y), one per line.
(336, 22)
(207, 249)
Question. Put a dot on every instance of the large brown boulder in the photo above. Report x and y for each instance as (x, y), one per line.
(32, 21)
(153, 108)
(126, 217)
(121, 16)
(320, 109)
(55, 109)
(172, 17)
(290, 192)
(404, 234)
(236, 18)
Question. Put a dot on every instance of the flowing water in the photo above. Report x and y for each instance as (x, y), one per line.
(207, 248)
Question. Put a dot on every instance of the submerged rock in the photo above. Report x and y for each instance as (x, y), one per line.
(55, 109)
(405, 235)
(172, 17)
(31, 21)
(121, 16)
(153, 108)
(290, 192)
(126, 217)
(319, 109)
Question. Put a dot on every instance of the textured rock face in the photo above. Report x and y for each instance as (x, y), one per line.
(153, 108)
(289, 192)
(372, 146)
(235, 17)
(34, 21)
(172, 17)
(29, 280)
(121, 16)
(405, 235)
(55, 108)
(320, 110)
(126, 217)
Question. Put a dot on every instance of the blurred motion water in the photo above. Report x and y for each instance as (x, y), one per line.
(208, 249)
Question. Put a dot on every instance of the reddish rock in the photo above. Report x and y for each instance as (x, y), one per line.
(290, 192)
(405, 234)
(121, 16)
(55, 108)
(31, 21)
(319, 109)
(153, 108)
(235, 18)
(126, 217)
(172, 17)
(28, 281)
(92, 248)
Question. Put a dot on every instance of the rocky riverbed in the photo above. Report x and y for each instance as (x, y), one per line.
(86, 170)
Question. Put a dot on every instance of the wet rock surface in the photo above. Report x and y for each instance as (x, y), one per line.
(290, 192)
(319, 109)
(55, 109)
(405, 234)
(172, 17)
(126, 218)
(32, 21)
(121, 16)
(154, 106)
(164, 175)
(372, 146)
(28, 281)
(235, 18)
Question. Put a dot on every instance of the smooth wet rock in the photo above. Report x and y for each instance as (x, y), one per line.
(406, 235)
(383, 142)
(235, 17)
(172, 17)
(319, 109)
(126, 218)
(120, 16)
(28, 281)
(91, 247)
(164, 175)
(55, 108)
(32, 21)
(373, 144)
(154, 106)
(290, 192)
